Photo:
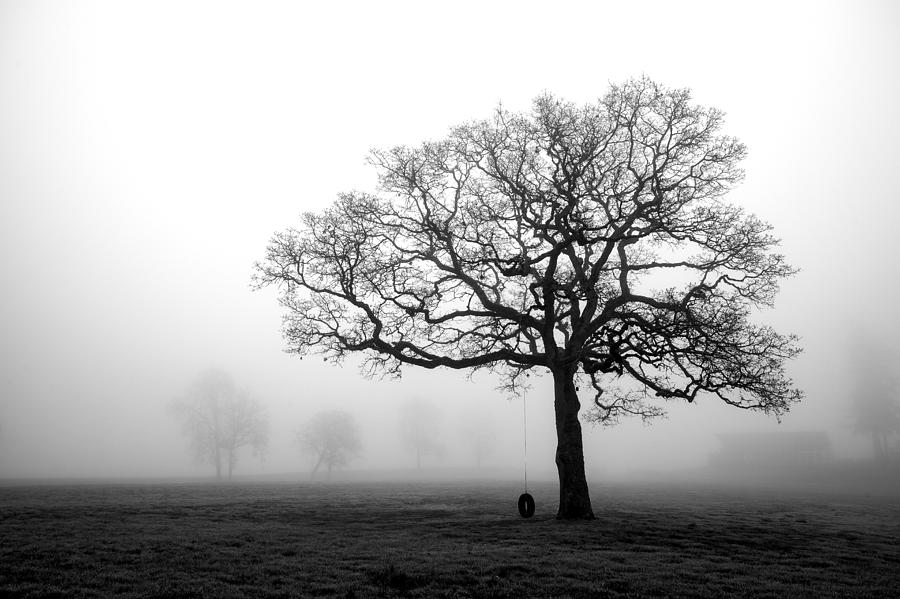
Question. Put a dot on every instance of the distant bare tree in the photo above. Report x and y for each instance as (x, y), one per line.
(589, 242)
(876, 408)
(420, 428)
(332, 438)
(481, 438)
(220, 419)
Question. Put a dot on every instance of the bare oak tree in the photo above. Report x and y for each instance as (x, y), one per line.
(589, 241)
(220, 419)
(332, 438)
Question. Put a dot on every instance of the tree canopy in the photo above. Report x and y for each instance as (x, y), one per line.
(529, 240)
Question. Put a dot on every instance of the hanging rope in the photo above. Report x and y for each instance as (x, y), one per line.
(526, 501)
(525, 439)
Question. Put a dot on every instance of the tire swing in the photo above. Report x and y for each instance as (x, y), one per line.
(526, 501)
(526, 505)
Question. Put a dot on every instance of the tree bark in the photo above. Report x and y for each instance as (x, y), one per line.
(574, 499)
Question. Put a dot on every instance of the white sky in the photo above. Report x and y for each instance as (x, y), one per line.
(148, 150)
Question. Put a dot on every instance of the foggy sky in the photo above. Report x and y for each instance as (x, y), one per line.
(149, 150)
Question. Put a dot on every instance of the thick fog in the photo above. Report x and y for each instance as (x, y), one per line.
(149, 151)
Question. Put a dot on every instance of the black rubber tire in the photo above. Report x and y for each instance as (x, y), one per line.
(526, 505)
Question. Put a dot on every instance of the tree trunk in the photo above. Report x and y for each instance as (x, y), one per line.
(312, 475)
(574, 499)
(880, 444)
(218, 464)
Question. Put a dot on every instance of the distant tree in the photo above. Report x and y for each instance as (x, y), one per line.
(420, 428)
(332, 438)
(481, 439)
(876, 407)
(220, 419)
(528, 241)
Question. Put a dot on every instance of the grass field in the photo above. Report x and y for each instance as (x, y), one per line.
(440, 540)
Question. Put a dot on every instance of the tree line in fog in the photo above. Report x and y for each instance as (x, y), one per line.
(220, 419)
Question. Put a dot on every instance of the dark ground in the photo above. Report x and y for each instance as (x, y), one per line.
(431, 539)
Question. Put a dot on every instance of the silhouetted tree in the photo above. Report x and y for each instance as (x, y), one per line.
(529, 240)
(332, 438)
(420, 428)
(220, 419)
(875, 408)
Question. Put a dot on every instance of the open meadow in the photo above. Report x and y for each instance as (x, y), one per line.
(429, 539)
